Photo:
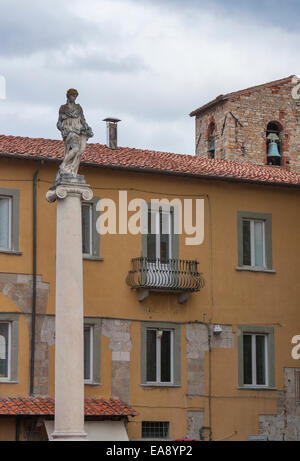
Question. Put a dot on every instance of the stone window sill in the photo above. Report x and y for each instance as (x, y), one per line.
(257, 388)
(11, 252)
(92, 383)
(255, 269)
(92, 258)
(155, 385)
(7, 381)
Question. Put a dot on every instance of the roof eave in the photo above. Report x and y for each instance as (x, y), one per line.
(164, 172)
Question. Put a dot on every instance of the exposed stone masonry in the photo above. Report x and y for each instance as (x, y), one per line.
(241, 121)
(286, 424)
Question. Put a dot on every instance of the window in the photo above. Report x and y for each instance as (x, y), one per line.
(160, 354)
(160, 231)
(9, 326)
(87, 226)
(160, 241)
(9, 220)
(211, 140)
(90, 236)
(155, 429)
(5, 223)
(92, 327)
(254, 241)
(255, 359)
(256, 356)
(88, 353)
(5, 350)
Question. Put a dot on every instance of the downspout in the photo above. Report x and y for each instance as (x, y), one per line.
(33, 311)
(209, 382)
(209, 386)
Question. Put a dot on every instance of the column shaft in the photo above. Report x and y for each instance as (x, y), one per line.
(69, 370)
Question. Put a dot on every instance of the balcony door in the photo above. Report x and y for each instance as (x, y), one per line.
(160, 246)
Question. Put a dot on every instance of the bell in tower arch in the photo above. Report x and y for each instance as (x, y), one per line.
(273, 154)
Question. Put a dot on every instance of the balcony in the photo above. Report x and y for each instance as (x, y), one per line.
(172, 275)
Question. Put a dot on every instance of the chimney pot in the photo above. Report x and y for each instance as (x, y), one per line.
(112, 132)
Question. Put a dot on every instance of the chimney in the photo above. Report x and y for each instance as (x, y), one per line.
(112, 138)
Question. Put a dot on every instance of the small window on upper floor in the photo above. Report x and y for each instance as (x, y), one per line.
(87, 229)
(254, 241)
(211, 140)
(9, 220)
(274, 143)
(5, 222)
(90, 236)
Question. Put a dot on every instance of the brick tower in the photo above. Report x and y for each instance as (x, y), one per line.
(241, 126)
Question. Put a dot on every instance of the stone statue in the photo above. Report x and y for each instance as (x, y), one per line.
(75, 132)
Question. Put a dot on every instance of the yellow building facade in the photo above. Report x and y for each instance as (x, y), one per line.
(205, 353)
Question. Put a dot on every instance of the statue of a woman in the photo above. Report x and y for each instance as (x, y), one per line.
(75, 132)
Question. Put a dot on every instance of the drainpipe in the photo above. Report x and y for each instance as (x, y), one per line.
(209, 381)
(33, 311)
(209, 427)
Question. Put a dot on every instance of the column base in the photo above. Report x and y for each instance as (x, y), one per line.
(69, 437)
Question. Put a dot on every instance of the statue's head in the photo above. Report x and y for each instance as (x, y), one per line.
(72, 94)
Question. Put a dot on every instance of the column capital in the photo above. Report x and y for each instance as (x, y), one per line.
(61, 191)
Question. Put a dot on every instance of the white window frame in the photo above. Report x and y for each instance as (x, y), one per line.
(153, 437)
(9, 198)
(8, 377)
(167, 217)
(158, 356)
(252, 243)
(91, 330)
(253, 353)
(90, 207)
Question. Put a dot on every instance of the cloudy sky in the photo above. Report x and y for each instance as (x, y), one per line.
(147, 62)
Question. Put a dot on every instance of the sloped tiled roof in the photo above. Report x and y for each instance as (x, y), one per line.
(148, 161)
(225, 97)
(44, 406)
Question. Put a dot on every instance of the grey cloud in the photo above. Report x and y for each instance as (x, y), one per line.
(283, 14)
(97, 63)
(30, 26)
(150, 88)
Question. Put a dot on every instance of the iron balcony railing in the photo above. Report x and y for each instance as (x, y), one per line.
(174, 275)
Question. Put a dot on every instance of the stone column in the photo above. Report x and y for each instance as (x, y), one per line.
(69, 369)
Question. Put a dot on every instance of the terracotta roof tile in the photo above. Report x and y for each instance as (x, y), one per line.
(147, 160)
(45, 406)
